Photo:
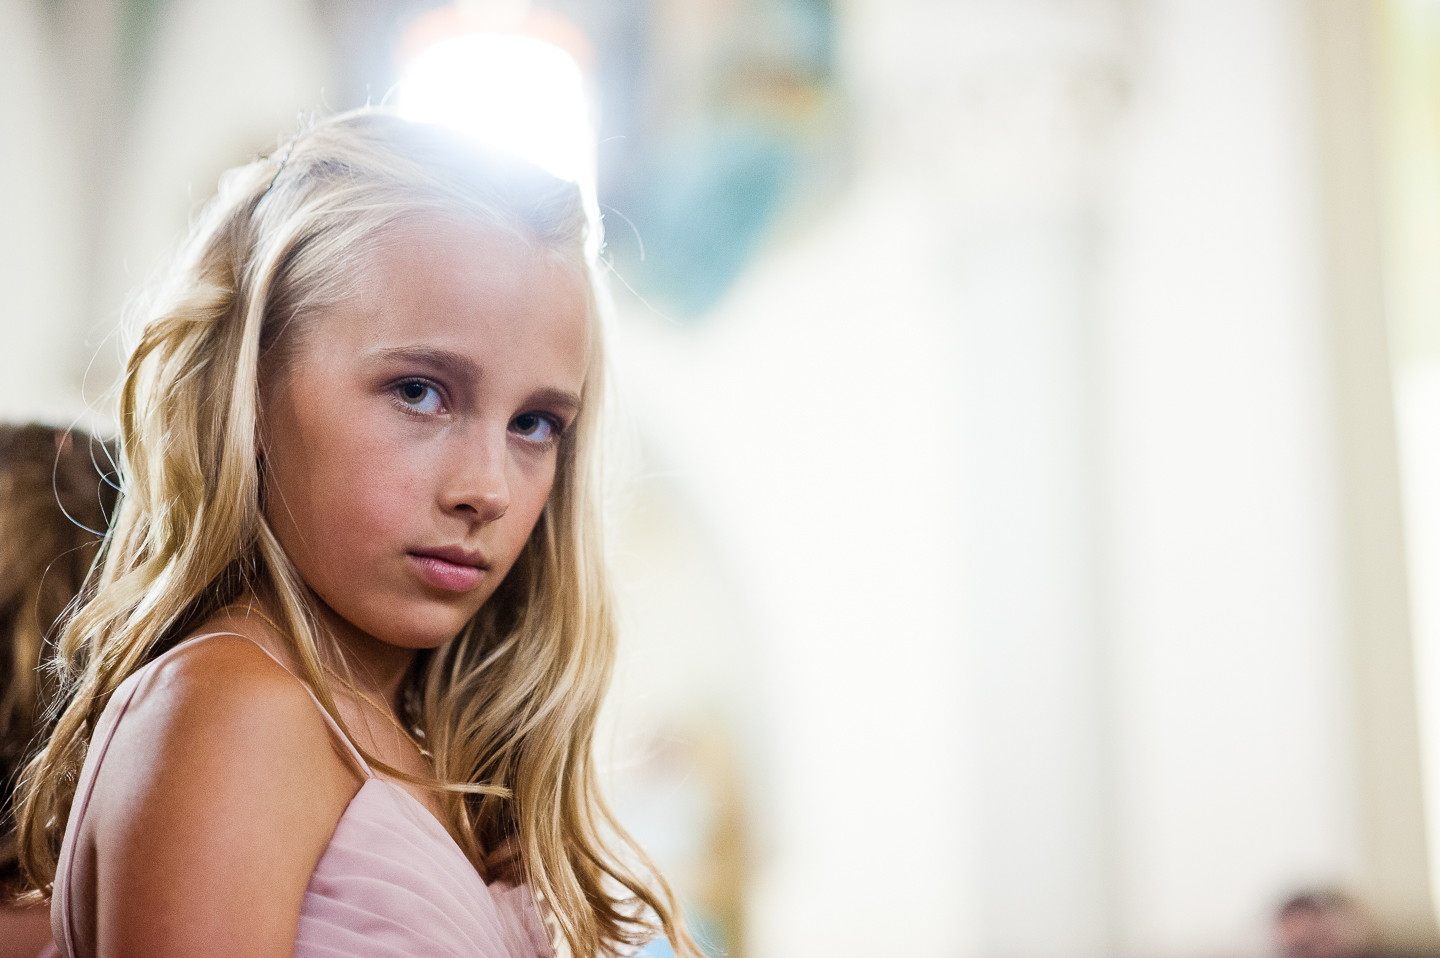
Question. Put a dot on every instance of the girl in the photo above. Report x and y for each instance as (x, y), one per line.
(335, 690)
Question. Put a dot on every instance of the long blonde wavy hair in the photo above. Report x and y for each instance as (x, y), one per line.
(508, 707)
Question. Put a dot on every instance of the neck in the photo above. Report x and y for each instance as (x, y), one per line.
(373, 667)
(377, 668)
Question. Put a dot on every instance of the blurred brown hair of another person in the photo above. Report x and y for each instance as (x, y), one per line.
(1328, 923)
(56, 494)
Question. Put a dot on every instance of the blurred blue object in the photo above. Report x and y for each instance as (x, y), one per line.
(708, 935)
(707, 210)
(659, 948)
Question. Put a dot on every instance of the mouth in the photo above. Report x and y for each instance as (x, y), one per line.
(450, 568)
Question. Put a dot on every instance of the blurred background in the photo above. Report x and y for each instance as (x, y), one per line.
(1033, 549)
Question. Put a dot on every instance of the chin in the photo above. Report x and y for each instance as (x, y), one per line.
(428, 628)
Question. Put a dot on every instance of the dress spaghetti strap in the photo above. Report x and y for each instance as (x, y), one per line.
(329, 719)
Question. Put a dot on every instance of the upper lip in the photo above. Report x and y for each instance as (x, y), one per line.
(456, 555)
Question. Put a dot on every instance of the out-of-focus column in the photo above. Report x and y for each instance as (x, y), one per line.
(1367, 326)
(1226, 600)
(1003, 114)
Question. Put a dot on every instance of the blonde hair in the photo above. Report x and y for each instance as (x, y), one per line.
(509, 706)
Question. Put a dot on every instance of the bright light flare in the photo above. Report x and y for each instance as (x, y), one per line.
(509, 91)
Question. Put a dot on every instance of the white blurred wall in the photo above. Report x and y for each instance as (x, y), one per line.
(42, 242)
(225, 81)
(236, 78)
(1024, 460)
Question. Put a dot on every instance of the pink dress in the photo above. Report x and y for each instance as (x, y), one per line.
(392, 883)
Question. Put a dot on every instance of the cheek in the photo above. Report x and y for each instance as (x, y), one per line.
(526, 504)
(375, 492)
(337, 483)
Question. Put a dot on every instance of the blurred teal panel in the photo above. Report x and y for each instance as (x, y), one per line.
(707, 209)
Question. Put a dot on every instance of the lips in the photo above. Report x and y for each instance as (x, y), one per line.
(450, 568)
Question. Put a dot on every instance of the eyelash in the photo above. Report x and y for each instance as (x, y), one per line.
(557, 426)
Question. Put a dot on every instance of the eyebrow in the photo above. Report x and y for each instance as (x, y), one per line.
(558, 398)
(454, 364)
(442, 360)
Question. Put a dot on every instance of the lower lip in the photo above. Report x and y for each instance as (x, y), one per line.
(445, 575)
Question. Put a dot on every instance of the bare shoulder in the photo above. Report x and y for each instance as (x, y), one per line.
(218, 705)
(217, 795)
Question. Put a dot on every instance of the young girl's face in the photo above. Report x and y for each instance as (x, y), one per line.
(410, 439)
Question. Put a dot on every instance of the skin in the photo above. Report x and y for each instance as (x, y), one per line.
(415, 417)
(23, 931)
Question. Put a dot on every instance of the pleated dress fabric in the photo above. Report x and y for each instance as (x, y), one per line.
(391, 884)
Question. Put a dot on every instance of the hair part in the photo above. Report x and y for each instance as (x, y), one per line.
(509, 706)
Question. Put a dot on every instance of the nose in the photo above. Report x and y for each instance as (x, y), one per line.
(477, 486)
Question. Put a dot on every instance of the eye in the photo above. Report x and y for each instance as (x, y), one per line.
(420, 396)
(535, 427)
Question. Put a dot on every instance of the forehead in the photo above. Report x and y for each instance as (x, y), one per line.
(477, 291)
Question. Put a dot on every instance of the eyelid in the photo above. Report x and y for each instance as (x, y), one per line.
(558, 421)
